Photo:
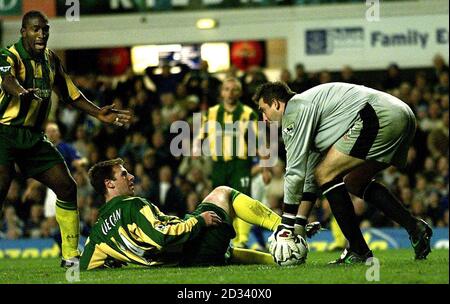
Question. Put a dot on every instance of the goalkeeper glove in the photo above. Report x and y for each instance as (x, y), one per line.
(282, 243)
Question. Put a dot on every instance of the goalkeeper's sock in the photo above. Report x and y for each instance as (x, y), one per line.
(379, 196)
(299, 226)
(69, 224)
(253, 211)
(248, 256)
(342, 207)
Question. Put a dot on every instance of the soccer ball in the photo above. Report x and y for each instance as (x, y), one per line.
(296, 257)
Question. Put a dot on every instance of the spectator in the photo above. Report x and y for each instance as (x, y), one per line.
(433, 120)
(442, 87)
(203, 84)
(166, 81)
(192, 201)
(275, 188)
(12, 226)
(72, 157)
(82, 142)
(393, 78)
(285, 76)
(324, 77)
(251, 80)
(33, 224)
(438, 139)
(438, 67)
(166, 195)
(301, 82)
(348, 76)
(170, 111)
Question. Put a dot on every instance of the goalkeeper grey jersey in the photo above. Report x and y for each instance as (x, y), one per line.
(313, 121)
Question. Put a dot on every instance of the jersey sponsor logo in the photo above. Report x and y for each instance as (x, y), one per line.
(289, 130)
(5, 69)
(43, 90)
(160, 227)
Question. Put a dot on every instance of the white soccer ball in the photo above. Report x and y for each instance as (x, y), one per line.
(296, 257)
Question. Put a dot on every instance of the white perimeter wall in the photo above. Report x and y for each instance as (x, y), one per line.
(291, 23)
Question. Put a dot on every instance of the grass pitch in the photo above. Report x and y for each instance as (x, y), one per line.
(396, 266)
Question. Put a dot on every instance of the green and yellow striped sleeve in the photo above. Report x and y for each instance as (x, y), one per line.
(64, 86)
(7, 63)
(154, 227)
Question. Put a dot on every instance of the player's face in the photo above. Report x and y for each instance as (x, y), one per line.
(52, 133)
(124, 181)
(230, 92)
(35, 35)
(273, 112)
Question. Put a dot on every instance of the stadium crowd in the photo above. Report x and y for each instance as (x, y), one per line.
(177, 184)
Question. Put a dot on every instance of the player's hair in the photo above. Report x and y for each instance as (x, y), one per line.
(273, 90)
(32, 14)
(232, 79)
(101, 171)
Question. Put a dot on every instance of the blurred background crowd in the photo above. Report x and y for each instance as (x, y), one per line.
(178, 184)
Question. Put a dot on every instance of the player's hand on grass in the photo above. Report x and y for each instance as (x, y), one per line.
(211, 218)
(110, 115)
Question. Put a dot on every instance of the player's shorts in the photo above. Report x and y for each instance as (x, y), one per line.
(383, 132)
(234, 173)
(29, 149)
(211, 246)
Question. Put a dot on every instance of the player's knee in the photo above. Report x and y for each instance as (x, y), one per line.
(220, 196)
(354, 186)
(67, 190)
(222, 189)
(323, 175)
(326, 173)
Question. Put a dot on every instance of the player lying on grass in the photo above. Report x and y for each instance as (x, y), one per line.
(132, 230)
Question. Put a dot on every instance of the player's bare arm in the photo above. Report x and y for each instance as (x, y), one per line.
(107, 114)
(12, 86)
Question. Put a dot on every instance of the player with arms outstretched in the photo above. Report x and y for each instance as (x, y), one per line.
(29, 72)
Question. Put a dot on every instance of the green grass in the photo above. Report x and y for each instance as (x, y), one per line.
(396, 266)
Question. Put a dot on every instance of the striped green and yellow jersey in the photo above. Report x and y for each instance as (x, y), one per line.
(227, 133)
(45, 74)
(132, 230)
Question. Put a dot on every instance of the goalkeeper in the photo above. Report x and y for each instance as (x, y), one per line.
(132, 230)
